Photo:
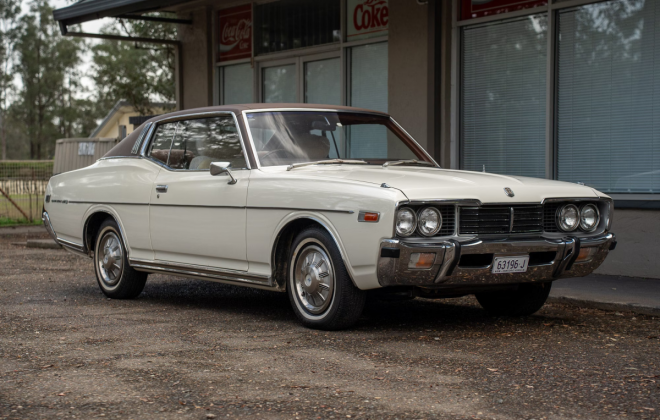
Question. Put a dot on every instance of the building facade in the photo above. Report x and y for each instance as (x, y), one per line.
(558, 89)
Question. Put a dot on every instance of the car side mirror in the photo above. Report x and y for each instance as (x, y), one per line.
(219, 168)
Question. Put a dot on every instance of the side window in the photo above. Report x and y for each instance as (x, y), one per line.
(202, 141)
(159, 149)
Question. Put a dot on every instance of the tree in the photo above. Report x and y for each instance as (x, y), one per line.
(47, 65)
(139, 73)
(9, 10)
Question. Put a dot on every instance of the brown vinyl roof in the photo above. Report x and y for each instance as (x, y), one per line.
(246, 107)
(125, 147)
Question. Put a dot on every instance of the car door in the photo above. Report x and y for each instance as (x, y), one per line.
(196, 218)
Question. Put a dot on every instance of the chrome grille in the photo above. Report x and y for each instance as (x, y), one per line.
(448, 220)
(497, 220)
(550, 217)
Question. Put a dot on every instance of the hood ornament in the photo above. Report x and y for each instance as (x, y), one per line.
(509, 192)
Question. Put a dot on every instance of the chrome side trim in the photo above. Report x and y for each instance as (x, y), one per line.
(120, 157)
(107, 203)
(302, 209)
(147, 139)
(415, 141)
(138, 142)
(204, 206)
(240, 278)
(72, 246)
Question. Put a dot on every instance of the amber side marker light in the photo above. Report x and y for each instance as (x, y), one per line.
(421, 260)
(585, 254)
(368, 216)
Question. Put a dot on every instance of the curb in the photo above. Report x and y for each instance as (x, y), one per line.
(607, 306)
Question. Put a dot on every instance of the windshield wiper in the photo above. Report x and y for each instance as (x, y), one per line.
(327, 162)
(407, 162)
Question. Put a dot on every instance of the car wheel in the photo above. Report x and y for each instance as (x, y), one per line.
(320, 290)
(115, 277)
(527, 299)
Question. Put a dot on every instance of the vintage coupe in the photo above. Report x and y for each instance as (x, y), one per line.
(326, 204)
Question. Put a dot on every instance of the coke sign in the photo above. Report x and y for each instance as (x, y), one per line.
(367, 18)
(235, 33)
(471, 9)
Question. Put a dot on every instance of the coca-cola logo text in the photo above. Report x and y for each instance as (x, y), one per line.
(240, 31)
(371, 14)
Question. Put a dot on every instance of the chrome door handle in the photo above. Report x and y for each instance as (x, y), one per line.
(161, 188)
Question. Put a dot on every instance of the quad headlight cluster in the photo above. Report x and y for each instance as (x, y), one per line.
(427, 221)
(570, 217)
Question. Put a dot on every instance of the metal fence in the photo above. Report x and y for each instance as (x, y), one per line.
(22, 188)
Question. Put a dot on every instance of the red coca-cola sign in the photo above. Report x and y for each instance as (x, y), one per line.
(367, 18)
(471, 9)
(235, 33)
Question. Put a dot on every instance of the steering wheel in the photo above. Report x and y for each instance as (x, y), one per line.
(282, 153)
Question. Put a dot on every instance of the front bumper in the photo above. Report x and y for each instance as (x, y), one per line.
(469, 262)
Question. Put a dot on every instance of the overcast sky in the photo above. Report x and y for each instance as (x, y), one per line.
(91, 27)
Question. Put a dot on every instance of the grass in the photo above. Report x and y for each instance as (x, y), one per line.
(9, 222)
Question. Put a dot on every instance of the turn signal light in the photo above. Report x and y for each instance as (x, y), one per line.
(371, 217)
(585, 254)
(421, 260)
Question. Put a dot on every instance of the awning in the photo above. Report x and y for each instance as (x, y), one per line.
(86, 10)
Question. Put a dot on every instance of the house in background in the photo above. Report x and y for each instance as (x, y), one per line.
(123, 119)
(71, 154)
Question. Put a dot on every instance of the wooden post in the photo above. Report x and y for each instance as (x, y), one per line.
(14, 203)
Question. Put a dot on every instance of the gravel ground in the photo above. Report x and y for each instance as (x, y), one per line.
(194, 349)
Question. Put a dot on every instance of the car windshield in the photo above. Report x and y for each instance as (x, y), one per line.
(290, 137)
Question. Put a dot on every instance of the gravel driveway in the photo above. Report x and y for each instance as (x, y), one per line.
(194, 349)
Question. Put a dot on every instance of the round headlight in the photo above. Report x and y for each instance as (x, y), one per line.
(429, 221)
(406, 221)
(568, 217)
(589, 217)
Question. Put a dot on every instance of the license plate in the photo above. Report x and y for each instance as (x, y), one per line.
(510, 264)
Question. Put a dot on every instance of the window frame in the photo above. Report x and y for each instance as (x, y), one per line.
(551, 10)
(202, 115)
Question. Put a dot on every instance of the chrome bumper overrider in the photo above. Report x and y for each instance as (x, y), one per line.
(553, 259)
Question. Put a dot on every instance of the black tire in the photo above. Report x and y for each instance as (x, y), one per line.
(313, 254)
(527, 299)
(117, 281)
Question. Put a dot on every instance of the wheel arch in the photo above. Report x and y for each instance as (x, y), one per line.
(93, 220)
(284, 238)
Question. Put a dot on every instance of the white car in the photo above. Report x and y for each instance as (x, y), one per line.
(324, 204)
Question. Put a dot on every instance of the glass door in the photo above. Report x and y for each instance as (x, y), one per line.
(279, 83)
(322, 80)
(310, 79)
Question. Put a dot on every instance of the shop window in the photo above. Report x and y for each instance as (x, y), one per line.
(279, 84)
(608, 123)
(237, 84)
(368, 89)
(287, 24)
(322, 82)
(503, 101)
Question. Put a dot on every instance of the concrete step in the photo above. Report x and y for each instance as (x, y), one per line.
(39, 243)
(614, 293)
(22, 230)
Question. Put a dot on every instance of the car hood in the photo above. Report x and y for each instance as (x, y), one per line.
(419, 183)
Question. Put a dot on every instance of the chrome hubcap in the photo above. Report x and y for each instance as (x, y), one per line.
(110, 259)
(314, 279)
